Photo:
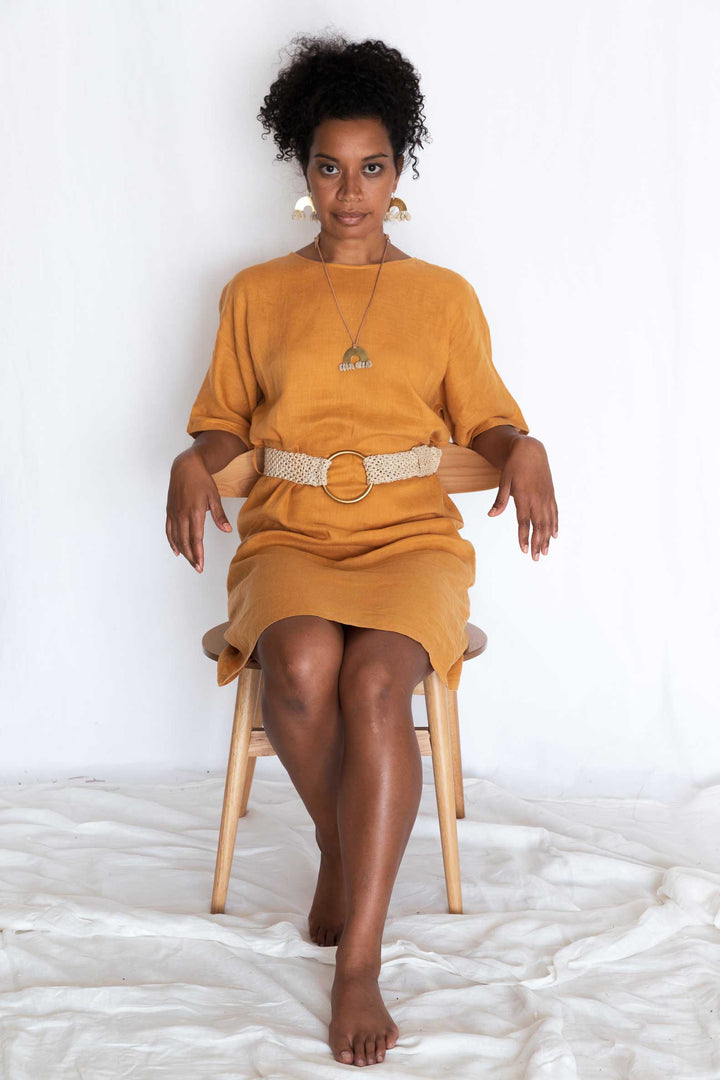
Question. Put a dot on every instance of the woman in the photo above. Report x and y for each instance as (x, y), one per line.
(349, 601)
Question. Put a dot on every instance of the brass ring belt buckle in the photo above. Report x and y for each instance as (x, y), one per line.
(336, 497)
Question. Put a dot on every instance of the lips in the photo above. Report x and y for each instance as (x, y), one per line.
(350, 217)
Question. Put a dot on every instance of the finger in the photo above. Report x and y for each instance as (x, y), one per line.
(501, 498)
(197, 527)
(182, 535)
(551, 517)
(218, 514)
(551, 532)
(540, 538)
(169, 534)
(523, 516)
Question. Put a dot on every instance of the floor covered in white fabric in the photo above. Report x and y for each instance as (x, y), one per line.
(589, 947)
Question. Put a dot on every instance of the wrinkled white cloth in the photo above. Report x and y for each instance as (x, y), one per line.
(589, 947)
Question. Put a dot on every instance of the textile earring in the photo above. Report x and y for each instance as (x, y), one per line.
(403, 213)
(298, 213)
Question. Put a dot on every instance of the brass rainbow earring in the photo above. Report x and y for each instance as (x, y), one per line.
(298, 213)
(403, 213)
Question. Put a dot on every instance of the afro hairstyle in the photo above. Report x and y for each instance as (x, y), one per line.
(329, 77)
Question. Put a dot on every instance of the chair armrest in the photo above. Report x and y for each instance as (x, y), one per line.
(460, 469)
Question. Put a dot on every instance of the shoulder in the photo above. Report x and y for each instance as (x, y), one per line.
(454, 288)
(259, 279)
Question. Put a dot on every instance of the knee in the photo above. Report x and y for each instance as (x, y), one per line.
(299, 683)
(369, 687)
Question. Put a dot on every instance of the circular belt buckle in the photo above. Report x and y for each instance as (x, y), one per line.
(336, 497)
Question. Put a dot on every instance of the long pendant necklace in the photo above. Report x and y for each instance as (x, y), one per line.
(349, 361)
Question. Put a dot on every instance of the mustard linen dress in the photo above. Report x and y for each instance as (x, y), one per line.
(395, 560)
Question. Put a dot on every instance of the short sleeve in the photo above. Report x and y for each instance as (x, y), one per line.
(229, 393)
(475, 396)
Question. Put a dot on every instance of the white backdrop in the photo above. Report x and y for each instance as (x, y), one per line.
(572, 177)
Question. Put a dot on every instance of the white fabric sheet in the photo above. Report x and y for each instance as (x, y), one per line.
(589, 947)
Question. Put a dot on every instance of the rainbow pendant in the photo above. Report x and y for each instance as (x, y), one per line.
(348, 361)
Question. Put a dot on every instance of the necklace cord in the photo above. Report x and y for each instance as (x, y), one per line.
(377, 278)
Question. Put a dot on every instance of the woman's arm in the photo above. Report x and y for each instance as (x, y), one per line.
(217, 449)
(192, 492)
(494, 444)
(526, 476)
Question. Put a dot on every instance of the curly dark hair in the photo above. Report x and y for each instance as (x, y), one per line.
(329, 77)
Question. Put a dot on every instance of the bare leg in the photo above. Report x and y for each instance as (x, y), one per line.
(300, 657)
(380, 790)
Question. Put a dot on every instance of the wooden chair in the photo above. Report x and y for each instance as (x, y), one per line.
(461, 469)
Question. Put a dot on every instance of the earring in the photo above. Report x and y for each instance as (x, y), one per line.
(402, 215)
(298, 213)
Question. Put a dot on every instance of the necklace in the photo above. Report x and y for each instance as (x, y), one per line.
(349, 363)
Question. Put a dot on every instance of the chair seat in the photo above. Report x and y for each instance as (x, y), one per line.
(214, 642)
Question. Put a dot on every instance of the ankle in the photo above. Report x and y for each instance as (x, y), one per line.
(356, 958)
(360, 968)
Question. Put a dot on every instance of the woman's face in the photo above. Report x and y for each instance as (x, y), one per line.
(351, 170)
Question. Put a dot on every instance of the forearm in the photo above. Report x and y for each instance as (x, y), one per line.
(216, 448)
(494, 444)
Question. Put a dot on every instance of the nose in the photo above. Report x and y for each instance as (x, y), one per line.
(350, 190)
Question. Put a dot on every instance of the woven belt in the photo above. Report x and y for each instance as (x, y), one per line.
(301, 468)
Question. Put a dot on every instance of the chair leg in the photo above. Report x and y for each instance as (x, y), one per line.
(454, 723)
(249, 773)
(235, 780)
(439, 728)
(256, 726)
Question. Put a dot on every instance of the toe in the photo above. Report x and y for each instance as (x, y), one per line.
(370, 1051)
(342, 1050)
(359, 1049)
(380, 1048)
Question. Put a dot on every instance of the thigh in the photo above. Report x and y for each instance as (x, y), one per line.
(300, 653)
(380, 662)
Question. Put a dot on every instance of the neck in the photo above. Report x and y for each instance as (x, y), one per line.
(364, 249)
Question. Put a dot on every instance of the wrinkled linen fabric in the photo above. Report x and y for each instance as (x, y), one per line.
(589, 947)
(396, 559)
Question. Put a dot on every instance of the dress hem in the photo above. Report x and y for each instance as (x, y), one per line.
(234, 657)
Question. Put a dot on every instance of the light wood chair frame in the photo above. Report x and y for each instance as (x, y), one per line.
(461, 469)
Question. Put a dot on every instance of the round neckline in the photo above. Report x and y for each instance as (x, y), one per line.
(355, 266)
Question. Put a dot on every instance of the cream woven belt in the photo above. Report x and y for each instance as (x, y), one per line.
(421, 460)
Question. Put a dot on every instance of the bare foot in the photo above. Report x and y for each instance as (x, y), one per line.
(361, 1029)
(327, 914)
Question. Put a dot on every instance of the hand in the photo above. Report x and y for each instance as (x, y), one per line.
(192, 492)
(526, 476)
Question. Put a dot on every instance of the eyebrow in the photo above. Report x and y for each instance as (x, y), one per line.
(364, 159)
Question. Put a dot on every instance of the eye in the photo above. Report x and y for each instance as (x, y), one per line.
(370, 165)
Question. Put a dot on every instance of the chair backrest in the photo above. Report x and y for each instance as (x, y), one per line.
(460, 469)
